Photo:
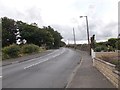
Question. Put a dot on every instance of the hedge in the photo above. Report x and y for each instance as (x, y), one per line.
(30, 48)
(11, 51)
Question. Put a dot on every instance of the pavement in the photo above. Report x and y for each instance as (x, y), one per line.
(87, 76)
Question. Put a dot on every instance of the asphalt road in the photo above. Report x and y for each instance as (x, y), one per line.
(49, 71)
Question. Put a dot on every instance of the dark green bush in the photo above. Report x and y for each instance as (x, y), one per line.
(118, 45)
(5, 56)
(101, 48)
(29, 48)
(111, 48)
(118, 65)
(97, 49)
(11, 51)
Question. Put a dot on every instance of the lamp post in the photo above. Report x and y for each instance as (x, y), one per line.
(87, 32)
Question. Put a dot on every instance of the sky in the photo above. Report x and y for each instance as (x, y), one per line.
(63, 15)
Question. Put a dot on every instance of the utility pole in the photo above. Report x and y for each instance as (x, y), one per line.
(68, 41)
(87, 33)
(74, 38)
(87, 29)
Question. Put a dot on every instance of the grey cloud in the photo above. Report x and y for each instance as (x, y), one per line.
(29, 15)
(66, 31)
(101, 32)
(96, 26)
(109, 30)
(34, 15)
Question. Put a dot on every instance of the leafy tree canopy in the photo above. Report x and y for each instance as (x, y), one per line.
(45, 36)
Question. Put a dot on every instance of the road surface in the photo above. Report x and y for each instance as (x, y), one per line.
(49, 71)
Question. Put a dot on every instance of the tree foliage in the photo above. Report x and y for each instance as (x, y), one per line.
(45, 36)
(8, 31)
(56, 35)
(112, 41)
(111, 45)
(118, 44)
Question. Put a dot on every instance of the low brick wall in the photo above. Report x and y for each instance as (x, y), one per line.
(108, 70)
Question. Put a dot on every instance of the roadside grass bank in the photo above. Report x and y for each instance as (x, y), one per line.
(15, 51)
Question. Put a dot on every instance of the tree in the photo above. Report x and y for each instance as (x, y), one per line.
(56, 35)
(29, 33)
(36, 35)
(62, 44)
(57, 39)
(45, 36)
(8, 31)
(112, 42)
(118, 44)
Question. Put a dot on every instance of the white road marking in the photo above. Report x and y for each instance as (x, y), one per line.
(35, 64)
(43, 60)
(73, 74)
(15, 62)
(0, 76)
(41, 56)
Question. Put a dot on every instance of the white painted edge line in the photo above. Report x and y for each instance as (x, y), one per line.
(0, 76)
(41, 56)
(73, 74)
(15, 62)
(42, 61)
(35, 64)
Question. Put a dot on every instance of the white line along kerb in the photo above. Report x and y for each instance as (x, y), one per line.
(35, 64)
(0, 76)
(42, 61)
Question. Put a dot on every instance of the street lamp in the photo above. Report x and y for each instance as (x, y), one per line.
(87, 32)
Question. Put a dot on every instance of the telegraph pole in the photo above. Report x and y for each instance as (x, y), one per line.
(74, 37)
(68, 41)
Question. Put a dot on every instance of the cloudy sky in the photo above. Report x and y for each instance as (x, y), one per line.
(63, 15)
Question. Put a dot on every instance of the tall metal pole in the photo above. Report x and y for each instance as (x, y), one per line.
(68, 41)
(87, 34)
(74, 37)
(87, 29)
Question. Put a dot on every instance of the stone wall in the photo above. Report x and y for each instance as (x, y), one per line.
(108, 70)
